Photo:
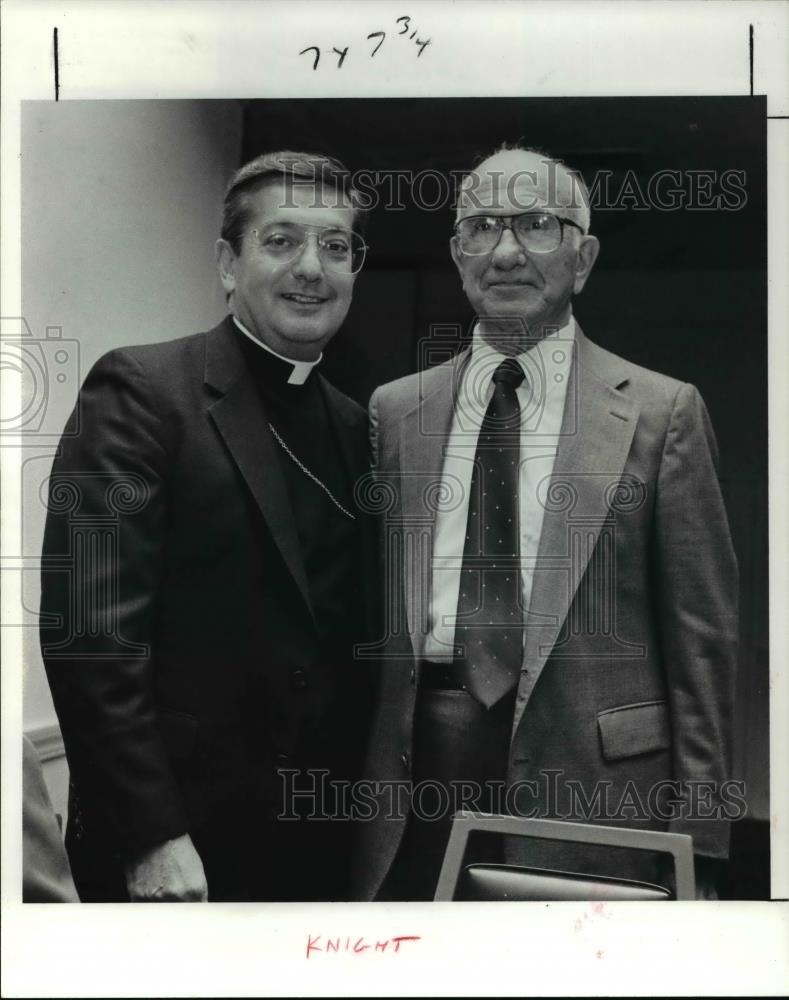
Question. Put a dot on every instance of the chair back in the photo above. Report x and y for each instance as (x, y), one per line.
(513, 882)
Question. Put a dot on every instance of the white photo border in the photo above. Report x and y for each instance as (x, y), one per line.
(119, 49)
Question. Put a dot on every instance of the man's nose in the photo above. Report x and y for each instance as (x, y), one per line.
(308, 264)
(508, 251)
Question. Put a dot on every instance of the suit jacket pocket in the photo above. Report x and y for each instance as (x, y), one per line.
(629, 730)
(179, 734)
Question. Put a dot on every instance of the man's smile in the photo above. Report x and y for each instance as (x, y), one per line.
(510, 284)
(303, 299)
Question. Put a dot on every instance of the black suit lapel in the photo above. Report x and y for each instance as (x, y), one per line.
(351, 435)
(242, 421)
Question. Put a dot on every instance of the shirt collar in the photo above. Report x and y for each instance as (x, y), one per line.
(546, 365)
(301, 369)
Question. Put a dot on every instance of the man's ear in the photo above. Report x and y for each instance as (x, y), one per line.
(587, 255)
(457, 255)
(226, 262)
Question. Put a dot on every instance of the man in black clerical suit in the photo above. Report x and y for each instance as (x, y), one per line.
(203, 559)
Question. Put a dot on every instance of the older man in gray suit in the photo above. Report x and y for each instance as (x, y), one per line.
(560, 576)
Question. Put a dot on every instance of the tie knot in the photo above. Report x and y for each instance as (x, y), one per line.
(509, 372)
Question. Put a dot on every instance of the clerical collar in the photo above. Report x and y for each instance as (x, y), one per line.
(300, 369)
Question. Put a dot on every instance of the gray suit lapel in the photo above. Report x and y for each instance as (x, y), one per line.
(423, 440)
(597, 430)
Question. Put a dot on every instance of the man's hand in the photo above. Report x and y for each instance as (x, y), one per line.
(171, 872)
(706, 890)
(709, 875)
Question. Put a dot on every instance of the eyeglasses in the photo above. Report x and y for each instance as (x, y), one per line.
(537, 232)
(340, 250)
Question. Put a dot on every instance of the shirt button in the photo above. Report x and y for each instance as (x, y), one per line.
(299, 680)
(413, 675)
(405, 759)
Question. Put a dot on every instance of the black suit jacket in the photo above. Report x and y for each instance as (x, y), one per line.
(177, 630)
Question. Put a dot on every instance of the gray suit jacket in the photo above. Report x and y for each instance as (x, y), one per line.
(627, 679)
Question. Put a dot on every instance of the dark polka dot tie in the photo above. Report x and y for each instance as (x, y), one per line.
(488, 634)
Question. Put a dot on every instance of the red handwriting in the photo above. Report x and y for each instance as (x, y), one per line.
(356, 946)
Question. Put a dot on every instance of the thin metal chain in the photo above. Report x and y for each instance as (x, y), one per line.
(311, 475)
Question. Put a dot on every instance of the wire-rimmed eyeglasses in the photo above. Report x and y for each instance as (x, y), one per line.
(339, 249)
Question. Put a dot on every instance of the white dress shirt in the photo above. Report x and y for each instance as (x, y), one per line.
(541, 397)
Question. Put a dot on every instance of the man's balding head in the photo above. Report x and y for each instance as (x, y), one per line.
(524, 180)
(520, 274)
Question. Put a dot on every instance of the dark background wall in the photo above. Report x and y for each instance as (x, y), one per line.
(683, 292)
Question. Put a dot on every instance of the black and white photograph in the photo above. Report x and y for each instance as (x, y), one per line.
(394, 504)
